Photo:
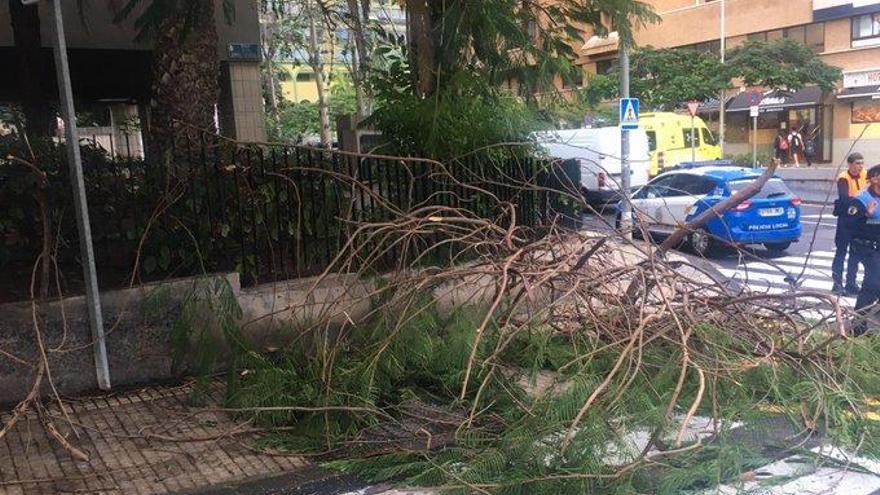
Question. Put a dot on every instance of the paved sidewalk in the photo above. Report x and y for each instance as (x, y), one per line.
(139, 442)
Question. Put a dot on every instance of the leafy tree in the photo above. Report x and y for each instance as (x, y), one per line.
(185, 88)
(295, 122)
(531, 40)
(782, 63)
(665, 78)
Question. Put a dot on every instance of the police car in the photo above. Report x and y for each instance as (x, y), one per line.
(771, 217)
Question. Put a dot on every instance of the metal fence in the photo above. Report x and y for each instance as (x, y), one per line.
(268, 212)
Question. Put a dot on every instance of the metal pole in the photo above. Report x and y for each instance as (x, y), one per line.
(754, 141)
(721, 103)
(626, 210)
(79, 199)
(693, 143)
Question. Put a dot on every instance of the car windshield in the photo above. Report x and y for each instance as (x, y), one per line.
(772, 189)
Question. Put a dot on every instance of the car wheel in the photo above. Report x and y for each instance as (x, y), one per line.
(702, 243)
(777, 247)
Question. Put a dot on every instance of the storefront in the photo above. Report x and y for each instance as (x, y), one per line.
(860, 98)
(801, 110)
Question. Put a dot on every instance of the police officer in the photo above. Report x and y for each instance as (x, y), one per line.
(864, 213)
(849, 183)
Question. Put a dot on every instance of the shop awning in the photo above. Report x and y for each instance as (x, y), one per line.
(776, 100)
(872, 91)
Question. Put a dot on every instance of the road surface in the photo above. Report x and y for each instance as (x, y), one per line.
(806, 263)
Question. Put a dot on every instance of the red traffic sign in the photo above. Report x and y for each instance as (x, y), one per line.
(755, 98)
(693, 106)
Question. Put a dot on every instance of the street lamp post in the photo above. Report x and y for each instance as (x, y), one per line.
(87, 252)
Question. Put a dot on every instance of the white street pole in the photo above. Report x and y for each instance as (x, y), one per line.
(87, 252)
(721, 103)
(693, 143)
(755, 141)
(626, 209)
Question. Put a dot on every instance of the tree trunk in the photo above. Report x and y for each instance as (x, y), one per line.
(361, 59)
(316, 44)
(25, 21)
(185, 86)
(423, 51)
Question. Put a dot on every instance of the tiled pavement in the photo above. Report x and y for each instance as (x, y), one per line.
(139, 442)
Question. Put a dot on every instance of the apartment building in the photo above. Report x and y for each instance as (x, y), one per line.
(111, 73)
(845, 33)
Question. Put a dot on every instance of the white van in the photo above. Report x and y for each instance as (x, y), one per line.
(598, 151)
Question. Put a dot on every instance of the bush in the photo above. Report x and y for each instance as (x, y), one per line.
(465, 116)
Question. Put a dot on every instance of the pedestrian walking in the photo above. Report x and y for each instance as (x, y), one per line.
(795, 146)
(780, 145)
(809, 144)
(850, 183)
(864, 210)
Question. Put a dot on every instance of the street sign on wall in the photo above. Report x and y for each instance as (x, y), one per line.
(629, 113)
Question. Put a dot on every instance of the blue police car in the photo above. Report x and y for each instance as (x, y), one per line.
(771, 217)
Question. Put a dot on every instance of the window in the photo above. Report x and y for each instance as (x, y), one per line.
(305, 76)
(795, 33)
(695, 184)
(866, 30)
(772, 189)
(652, 141)
(774, 35)
(575, 79)
(757, 37)
(604, 66)
(814, 37)
(661, 187)
(708, 138)
(865, 112)
(686, 133)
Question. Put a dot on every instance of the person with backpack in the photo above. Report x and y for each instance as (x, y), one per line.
(780, 145)
(795, 146)
(850, 183)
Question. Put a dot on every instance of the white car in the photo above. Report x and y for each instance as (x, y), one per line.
(598, 153)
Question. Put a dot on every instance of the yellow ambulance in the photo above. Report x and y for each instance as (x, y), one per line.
(669, 140)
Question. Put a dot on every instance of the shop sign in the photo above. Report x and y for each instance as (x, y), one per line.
(858, 78)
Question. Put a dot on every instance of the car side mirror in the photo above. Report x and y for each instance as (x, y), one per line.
(651, 195)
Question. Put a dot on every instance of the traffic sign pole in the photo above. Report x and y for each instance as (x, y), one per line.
(693, 143)
(625, 196)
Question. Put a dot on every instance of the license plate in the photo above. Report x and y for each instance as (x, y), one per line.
(770, 212)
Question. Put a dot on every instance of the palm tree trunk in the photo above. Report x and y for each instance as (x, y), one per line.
(423, 53)
(25, 21)
(185, 87)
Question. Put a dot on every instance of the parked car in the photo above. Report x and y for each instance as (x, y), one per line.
(771, 217)
(598, 152)
(669, 140)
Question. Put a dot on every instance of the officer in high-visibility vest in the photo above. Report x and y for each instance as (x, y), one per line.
(864, 212)
(850, 183)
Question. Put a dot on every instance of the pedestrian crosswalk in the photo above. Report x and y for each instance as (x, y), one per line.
(809, 271)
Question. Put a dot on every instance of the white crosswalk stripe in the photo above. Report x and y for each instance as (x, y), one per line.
(810, 272)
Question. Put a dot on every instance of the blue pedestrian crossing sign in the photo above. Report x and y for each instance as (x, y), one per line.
(629, 113)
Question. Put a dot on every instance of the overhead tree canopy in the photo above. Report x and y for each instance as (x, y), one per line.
(779, 64)
(667, 78)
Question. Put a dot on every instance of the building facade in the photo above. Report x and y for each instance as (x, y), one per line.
(844, 33)
(111, 73)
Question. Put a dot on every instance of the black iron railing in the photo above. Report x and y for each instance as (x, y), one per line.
(268, 212)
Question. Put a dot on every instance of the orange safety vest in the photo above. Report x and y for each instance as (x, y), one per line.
(856, 184)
